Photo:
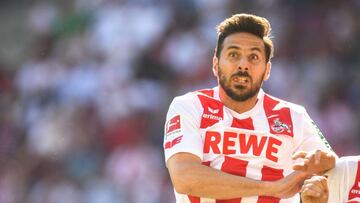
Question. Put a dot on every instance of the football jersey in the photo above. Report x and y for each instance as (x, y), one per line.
(344, 181)
(257, 144)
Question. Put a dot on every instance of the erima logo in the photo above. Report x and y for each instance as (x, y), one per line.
(354, 191)
(354, 200)
(213, 111)
(210, 116)
(279, 126)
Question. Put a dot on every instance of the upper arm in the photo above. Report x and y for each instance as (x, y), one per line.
(181, 161)
(181, 132)
(179, 166)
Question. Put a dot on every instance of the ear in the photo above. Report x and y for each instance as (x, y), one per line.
(267, 71)
(215, 68)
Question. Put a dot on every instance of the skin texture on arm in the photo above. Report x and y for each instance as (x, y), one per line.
(315, 190)
(190, 177)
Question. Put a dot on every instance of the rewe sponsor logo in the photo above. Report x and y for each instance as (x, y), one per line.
(241, 143)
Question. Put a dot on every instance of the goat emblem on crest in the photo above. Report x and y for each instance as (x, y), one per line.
(279, 126)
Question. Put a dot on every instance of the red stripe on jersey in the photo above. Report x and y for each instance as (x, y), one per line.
(212, 111)
(173, 142)
(235, 167)
(270, 174)
(194, 199)
(243, 123)
(206, 163)
(229, 201)
(355, 190)
(279, 118)
(208, 92)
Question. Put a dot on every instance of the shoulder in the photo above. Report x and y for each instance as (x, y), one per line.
(195, 100)
(189, 97)
(194, 97)
(348, 162)
(345, 165)
(277, 104)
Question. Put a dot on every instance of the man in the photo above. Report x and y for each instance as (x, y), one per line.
(234, 142)
(341, 186)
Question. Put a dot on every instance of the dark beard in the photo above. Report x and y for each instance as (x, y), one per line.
(253, 91)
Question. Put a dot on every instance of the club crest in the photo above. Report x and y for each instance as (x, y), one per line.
(280, 127)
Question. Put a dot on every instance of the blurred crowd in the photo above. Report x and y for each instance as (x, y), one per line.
(82, 115)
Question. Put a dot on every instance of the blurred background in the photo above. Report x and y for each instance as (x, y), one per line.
(85, 86)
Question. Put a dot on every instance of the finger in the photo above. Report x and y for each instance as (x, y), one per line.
(315, 186)
(317, 157)
(323, 181)
(299, 155)
(310, 156)
(315, 179)
(311, 193)
(301, 166)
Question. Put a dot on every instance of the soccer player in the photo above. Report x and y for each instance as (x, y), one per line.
(234, 142)
(341, 186)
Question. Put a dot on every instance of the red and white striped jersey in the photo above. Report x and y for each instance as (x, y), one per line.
(344, 180)
(257, 144)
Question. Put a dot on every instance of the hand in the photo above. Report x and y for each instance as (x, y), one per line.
(315, 162)
(315, 190)
(288, 186)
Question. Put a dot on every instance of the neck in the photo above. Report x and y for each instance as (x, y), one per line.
(237, 106)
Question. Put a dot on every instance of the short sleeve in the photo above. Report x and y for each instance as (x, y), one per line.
(342, 178)
(311, 136)
(181, 131)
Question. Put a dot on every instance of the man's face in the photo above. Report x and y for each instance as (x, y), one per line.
(242, 67)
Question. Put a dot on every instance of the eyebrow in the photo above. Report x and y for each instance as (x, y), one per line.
(256, 49)
(238, 48)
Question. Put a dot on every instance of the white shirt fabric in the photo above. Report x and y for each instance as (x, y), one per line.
(257, 144)
(344, 180)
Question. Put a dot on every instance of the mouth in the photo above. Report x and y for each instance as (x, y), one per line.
(241, 80)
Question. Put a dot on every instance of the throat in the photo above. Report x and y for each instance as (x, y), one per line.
(237, 106)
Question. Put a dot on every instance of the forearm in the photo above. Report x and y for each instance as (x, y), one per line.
(190, 177)
(203, 181)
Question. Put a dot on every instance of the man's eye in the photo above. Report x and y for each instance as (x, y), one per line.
(254, 57)
(233, 54)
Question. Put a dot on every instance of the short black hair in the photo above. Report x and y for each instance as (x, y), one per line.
(248, 23)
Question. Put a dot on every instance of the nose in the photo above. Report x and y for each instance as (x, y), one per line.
(243, 64)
